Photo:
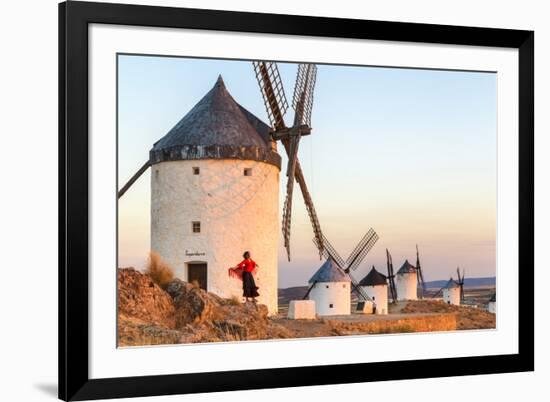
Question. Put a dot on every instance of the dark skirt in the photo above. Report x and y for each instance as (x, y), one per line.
(249, 286)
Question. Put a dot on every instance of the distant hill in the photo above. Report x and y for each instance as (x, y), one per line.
(293, 293)
(468, 282)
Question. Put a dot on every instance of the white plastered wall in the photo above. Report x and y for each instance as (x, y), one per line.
(451, 296)
(379, 294)
(237, 213)
(406, 285)
(335, 294)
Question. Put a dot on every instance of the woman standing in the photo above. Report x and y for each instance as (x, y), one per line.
(245, 270)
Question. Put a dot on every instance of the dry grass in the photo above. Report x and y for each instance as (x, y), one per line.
(160, 272)
(467, 317)
(398, 329)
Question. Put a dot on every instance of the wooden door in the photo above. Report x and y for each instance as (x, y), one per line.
(196, 272)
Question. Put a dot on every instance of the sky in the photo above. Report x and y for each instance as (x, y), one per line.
(408, 152)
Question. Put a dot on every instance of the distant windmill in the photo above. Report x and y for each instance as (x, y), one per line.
(271, 87)
(452, 284)
(355, 258)
(391, 277)
(419, 276)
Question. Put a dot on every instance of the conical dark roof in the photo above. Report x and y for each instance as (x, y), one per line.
(373, 278)
(329, 272)
(451, 283)
(217, 127)
(406, 268)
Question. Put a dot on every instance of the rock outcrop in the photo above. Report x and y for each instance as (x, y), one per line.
(184, 313)
(140, 298)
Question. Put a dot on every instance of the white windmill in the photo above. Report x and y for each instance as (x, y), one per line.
(215, 184)
(375, 285)
(406, 282)
(330, 289)
(451, 292)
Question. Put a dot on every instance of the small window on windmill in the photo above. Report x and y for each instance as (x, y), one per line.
(344, 285)
(327, 286)
(196, 170)
(196, 226)
(156, 174)
(247, 171)
(331, 305)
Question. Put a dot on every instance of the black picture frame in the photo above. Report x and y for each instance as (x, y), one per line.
(74, 18)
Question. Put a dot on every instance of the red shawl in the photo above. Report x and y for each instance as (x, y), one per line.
(244, 266)
(235, 273)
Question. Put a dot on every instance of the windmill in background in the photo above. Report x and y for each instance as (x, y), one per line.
(453, 291)
(353, 261)
(391, 277)
(271, 87)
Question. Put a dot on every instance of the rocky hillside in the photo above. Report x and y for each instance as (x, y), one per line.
(180, 312)
(184, 313)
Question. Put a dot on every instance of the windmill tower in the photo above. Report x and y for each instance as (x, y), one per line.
(330, 289)
(451, 292)
(200, 224)
(406, 282)
(376, 287)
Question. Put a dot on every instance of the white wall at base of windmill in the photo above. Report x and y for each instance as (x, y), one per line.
(379, 295)
(451, 296)
(492, 307)
(237, 213)
(406, 286)
(331, 298)
(301, 310)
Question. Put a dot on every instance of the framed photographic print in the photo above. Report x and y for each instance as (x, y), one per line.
(258, 201)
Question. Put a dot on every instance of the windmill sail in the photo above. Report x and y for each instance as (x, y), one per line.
(420, 276)
(273, 93)
(356, 257)
(133, 179)
(271, 87)
(391, 277)
(461, 284)
(361, 250)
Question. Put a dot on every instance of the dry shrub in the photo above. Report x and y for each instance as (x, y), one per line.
(160, 272)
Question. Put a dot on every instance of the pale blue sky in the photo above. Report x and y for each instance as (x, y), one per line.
(410, 152)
